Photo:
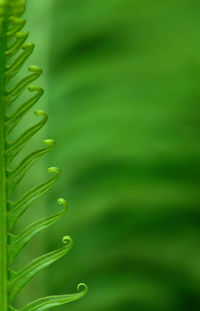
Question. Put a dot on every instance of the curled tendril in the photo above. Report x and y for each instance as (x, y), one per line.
(35, 88)
(67, 240)
(54, 169)
(84, 286)
(35, 68)
(49, 142)
(41, 113)
(62, 201)
(21, 34)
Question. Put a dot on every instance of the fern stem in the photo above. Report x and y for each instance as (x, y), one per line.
(3, 203)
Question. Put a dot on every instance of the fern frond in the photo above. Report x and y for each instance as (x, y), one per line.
(14, 51)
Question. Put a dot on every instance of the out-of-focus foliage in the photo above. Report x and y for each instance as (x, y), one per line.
(123, 103)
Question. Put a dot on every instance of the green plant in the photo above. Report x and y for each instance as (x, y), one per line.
(12, 41)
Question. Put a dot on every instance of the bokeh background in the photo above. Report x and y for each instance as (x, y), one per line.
(122, 82)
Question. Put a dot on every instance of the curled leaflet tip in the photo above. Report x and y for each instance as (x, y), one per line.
(28, 45)
(35, 68)
(62, 201)
(35, 88)
(84, 286)
(54, 169)
(49, 142)
(67, 240)
(40, 113)
(21, 34)
(18, 20)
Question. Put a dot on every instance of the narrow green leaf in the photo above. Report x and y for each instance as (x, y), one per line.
(18, 242)
(30, 196)
(20, 39)
(12, 94)
(47, 303)
(13, 69)
(22, 277)
(12, 149)
(17, 24)
(14, 176)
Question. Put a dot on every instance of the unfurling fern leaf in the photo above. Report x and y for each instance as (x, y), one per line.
(13, 53)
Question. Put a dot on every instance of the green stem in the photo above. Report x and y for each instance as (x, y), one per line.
(3, 204)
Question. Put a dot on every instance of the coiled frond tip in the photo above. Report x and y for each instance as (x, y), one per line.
(62, 201)
(54, 169)
(84, 286)
(67, 240)
(49, 142)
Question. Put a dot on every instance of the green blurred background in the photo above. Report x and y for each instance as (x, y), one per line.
(122, 82)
